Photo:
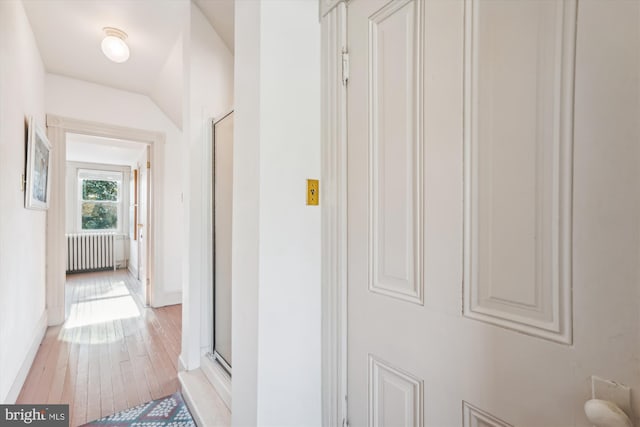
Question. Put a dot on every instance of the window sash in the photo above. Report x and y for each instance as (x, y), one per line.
(100, 175)
(115, 207)
(118, 190)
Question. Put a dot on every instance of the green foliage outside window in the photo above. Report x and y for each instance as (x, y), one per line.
(99, 190)
(100, 205)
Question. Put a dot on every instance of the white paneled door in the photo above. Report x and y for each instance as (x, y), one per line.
(493, 209)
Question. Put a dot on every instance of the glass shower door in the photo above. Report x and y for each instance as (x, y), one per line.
(222, 196)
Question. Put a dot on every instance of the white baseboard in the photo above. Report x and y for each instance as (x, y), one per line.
(133, 270)
(21, 376)
(204, 403)
(160, 299)
(181, 365)
(218, 377)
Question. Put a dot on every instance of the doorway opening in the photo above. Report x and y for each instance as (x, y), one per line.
(99, 185)
(106, 209)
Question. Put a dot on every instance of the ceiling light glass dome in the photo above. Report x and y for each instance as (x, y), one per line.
(114, 46)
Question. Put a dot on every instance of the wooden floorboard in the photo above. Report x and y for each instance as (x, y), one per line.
(110, 355)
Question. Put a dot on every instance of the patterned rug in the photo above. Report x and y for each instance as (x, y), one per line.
(168, 411)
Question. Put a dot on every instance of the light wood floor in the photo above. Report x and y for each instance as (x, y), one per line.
(111, 353)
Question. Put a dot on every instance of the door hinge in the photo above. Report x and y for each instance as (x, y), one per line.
(345, 67)
(148, 164)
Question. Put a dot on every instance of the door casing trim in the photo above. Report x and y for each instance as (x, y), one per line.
(57, 129)
(333, 203)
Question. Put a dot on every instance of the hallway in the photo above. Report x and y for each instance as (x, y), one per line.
(111, 353)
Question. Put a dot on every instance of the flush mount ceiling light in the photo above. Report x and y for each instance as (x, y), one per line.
(114, 46)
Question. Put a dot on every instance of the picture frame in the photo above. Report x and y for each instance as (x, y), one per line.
(38, 182)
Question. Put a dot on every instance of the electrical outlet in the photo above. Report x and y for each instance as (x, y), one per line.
(313, 192)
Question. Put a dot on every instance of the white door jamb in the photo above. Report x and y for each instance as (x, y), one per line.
(333, 202)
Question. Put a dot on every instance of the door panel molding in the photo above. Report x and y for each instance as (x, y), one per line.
(394, 395)
(524, 283)
(475, 417)
(326, 6)
(396, 151)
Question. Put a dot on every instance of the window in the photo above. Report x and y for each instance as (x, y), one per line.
(100, 200)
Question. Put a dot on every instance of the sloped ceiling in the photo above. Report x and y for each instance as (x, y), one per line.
(220, 14)
(69, 33)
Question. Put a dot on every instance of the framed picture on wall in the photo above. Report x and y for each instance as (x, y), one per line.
(38, 184)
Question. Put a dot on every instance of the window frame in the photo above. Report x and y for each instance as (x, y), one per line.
(84, 174)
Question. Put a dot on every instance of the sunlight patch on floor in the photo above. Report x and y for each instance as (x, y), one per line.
(105, 309)
(117, 289)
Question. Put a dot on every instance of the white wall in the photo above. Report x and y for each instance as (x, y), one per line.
(22, 231)
(281, 140)
(246, 197)
(168, 87)
(78, 99)
(209, 91)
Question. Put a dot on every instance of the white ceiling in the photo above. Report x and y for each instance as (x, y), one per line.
(220, 14)
(109, 151)
(69, 33)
